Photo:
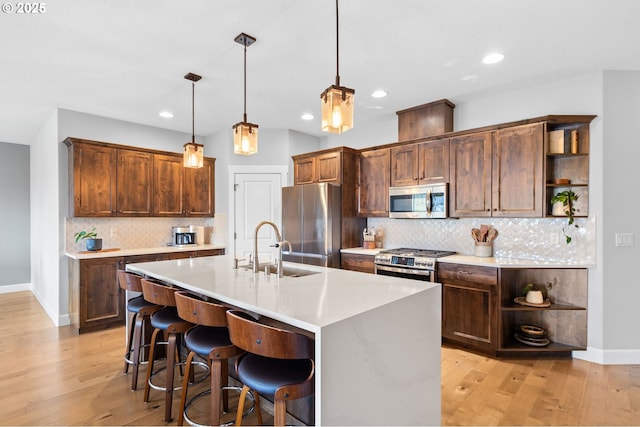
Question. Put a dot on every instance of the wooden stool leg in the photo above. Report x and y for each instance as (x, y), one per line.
(137, 338)
(216, 383)
(243, 395)
(152, 349)
(258, 412)
(185, 385)
(129, 344)
(279, 412)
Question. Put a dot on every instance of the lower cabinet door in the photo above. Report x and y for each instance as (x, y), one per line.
(468, 316)
(102, 303)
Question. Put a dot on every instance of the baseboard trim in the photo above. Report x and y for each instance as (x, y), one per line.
(5, 289)
(609, 357)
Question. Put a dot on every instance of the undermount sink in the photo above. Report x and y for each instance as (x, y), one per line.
(286, 271)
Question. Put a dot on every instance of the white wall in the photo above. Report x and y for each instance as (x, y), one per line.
(46, 234)
(15, 244)
(622, 208)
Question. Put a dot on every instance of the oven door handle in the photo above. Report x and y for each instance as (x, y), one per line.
(403, 270)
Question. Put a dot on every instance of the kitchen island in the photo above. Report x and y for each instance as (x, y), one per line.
(377, 338)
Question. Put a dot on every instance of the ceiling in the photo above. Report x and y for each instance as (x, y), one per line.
(126, 60)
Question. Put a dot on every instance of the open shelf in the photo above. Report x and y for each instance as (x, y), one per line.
(518, 307)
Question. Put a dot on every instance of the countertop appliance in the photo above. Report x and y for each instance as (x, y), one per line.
(418, 201)
(419, 264)
(184, 236)
(311, 222)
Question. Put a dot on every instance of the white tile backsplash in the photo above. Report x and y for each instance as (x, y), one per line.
(527, 238)
(133, 233)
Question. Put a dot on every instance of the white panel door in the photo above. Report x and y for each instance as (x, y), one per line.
(258, 197)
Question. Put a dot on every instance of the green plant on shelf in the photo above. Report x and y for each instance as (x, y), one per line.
(567, 198)
(93, 234)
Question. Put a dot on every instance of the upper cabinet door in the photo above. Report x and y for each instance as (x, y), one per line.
(168, 188)
(404, 165)
(434, 162)
(200, 189)
(373, 183)
(93, 180)
(329, 167)
(134, 182)
(304, 170)
(518, 182)
(470, 186)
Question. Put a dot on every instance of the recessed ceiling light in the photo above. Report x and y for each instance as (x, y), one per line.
(379, 93)
(307, 116)
(166, 114)
(493, 58)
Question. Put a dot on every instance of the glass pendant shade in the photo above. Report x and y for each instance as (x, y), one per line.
(193, 155)
(337, 109)
(245, 138)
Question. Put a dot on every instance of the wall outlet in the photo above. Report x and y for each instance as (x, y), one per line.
(624, 239)
(554, 238)
(114, 232)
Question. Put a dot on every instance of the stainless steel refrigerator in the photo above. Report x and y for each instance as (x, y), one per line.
(311, 223)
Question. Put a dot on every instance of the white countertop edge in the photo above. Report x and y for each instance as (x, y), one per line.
(142, 251)
(511, 262)
(361, 251)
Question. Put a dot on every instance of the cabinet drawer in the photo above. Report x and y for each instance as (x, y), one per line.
(358, 262)
(462, 273)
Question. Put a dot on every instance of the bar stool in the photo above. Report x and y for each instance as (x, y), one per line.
(209, 339)
(278, 364)
(165, 320)
(141, 311)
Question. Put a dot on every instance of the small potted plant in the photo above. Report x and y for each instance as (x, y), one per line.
(563, 205)
(93, 243)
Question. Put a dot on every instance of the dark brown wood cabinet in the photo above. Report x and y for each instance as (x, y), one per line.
(134, 182)
(199, 190)
(469, 305)
(357, 262)
(565, 320)
(318, 167)
(91, 183)
(373, 183)
(96, 300)
(113, 180)
(420, 163)
(434, 118)
(498, 173)
(568, 169)
(168, 189)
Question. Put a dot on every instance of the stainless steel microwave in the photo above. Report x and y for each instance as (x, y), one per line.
(418, 201)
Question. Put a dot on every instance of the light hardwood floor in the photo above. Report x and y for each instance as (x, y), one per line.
(53, 376)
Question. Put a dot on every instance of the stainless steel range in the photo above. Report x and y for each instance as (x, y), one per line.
(419, 264)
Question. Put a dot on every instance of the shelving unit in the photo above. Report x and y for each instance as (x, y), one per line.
(573, 166)
(565, 320)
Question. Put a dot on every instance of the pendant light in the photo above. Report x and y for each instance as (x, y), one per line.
(193, 153)
(245, 134)
(337, 101)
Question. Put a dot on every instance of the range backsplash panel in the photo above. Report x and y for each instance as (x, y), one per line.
(538, 239)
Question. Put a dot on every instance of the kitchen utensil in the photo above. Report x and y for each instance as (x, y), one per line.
(492, 235)
(475, 232)
(484, 228)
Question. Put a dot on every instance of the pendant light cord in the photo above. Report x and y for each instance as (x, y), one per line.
(193, 112)
(245, 81)
(337, 48)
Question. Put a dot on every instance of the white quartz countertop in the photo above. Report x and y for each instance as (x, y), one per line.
(510, 262)
(310, 302)
(109, 252)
